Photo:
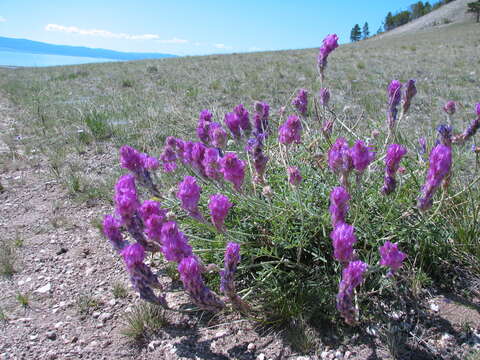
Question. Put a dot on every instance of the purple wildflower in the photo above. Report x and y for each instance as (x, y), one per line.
(423, 145)
(131, 159)
(232, 120)
(111, 229)
(339, 198)
(290, 131)
(301, 101)
(211, 163)
(352, 276)
(218, 136)
(191, 276)
(189, 194)
(169, 158)
(340, 160)
(262, 110)
(175, 245)
(440, 164)
(395, 153)
(343, 238)
(324, 96)
(410, 92)
(133, 254)
(188, 152)
(450, 107)
(361, 156)
(227, 276)
(477, 109)
(149, 208)
(394, 97)
(445, 132)
(255, 149)
(197, 156)
(243, 117)
(219, 206)
(233, 169)
(390, 256)
(472, 129)
(203, 131)
(329, 44)
(126, 201)
(294, 176)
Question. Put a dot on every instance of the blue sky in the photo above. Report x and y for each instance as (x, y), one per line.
(190, 27)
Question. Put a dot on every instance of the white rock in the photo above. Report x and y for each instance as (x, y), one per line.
(434, 307)
(261, 357)
(221, 333)
(338, 355)
(44, 289)
(105, 316)
(96, 314)
(324, 355)
(58, 325)
(251, 347)
(33, 337)
(112, 302)
(154, 344)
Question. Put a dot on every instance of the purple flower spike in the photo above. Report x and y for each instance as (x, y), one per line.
(243, 117)
(301, 101)
(205, 115)
(218, 136)
(131, 159)
(361, 156)
(227, 276)
(169, 158)
(472, 129)
(343, 238)
(445, 132)
(233, 169)
(211, 164)
(339, 199)
(111, 229)
(255, 149)
(440, 164)
(395, 153)
(324, 96)
(291, 131)
(219, 206)
(450, 107)
(294, 176)
(133, 255)
(203, 131)
(149, 208)
(175, 245)
(410, 92)
(477, 109)
(352, 276)
(339, 157)
(390, 256)
(197, 156)
(423, 145)
(262, 111)
(394, 97)
(191, 276)
(232, 120)
(189, 194)
(329, 44)
(126, 201)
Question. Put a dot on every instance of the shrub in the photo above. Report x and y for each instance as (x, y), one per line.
(264, 197)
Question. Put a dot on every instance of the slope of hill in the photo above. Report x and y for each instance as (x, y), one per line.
(454, 12)
(36, 47)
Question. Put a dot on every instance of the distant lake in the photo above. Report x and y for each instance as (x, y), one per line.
(11, 58)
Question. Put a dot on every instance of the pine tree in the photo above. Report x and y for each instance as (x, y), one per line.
(365, 31)
(356, 33)
(389, 24)
(474, 8)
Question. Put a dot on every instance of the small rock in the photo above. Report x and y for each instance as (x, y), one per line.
(251, 347)
(324, 355)
(105, 317)
(61, 251)
(434, 307)
(74, 339)
(33, 337)
(90, 271)
(221, 333)
(51, 335)
(44, 289)
(371, 330)
(96, 314)
(261, 357)
(58, 325)
(112, 302)
(338, 355)
(154, 344)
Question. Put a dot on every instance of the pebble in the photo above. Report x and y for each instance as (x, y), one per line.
(51, 335)
(324, 355)
(154, 344)
(112, 302)
(251, 347)
(347, 354)
(338, 355)
(221, 333)
(96, 314)
(434, 307)
(105, 316)
(58, 324)
(44, 289)
(33, 337)
(261, 357)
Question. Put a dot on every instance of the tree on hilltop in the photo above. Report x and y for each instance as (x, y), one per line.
(365, 31)
(474, 8)
(389, 24)
(356, 33)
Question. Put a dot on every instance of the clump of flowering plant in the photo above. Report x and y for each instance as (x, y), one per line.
(395, 153)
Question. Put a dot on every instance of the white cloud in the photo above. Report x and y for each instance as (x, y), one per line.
(2, 19)
(222, 46)
(109, 34)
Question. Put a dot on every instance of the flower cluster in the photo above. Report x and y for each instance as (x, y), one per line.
(111, 229)
(394, 96)
(189, 195)
(339, 198)
(472, 129)
(255, 149)
(227, 276)
(233, 169)
(324, 95)
(440, 164)
(294, 176)
(219, 206)
(260, 118)
(126, 200)
(290, 131)
(391, 257)
(191, 277)
(450, 107)
(352, 276)
(175, 244)
(301, 101)
(343, 238)
(410, 92)
(329, 44)
(153, 217)
(395, 153)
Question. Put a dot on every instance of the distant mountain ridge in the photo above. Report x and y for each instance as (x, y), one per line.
(37, 47)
